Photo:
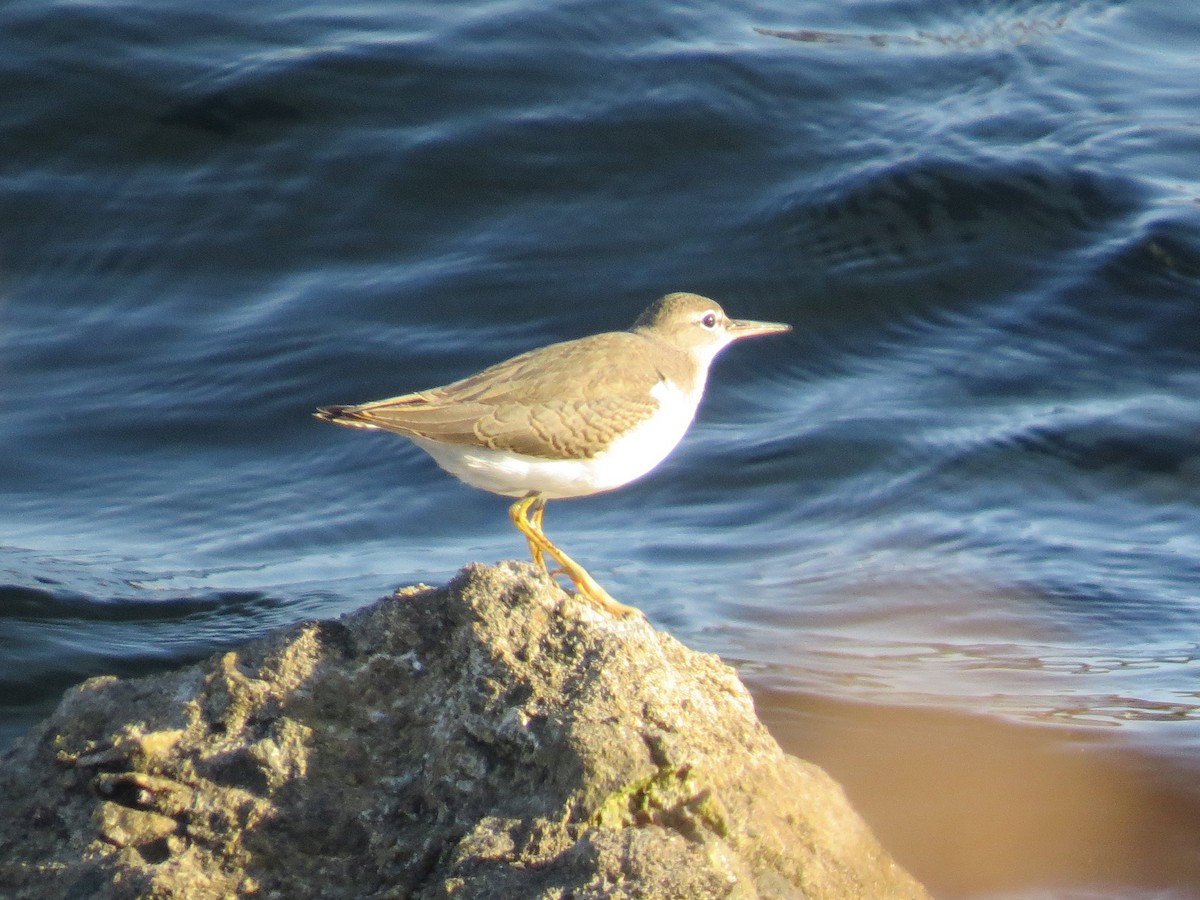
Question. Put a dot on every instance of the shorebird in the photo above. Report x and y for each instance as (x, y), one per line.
(568, 419)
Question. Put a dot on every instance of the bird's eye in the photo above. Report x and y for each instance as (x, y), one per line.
(709, 320)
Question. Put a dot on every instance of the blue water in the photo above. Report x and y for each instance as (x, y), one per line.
(966, 486)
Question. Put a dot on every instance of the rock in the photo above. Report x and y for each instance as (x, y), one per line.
(491, 739)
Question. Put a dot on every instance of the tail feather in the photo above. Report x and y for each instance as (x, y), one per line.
(342, 415)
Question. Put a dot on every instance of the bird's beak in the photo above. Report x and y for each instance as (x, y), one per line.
(744, 328)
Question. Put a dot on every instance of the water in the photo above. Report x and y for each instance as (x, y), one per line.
(949, 529)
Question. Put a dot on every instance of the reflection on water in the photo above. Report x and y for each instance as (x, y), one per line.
(898, 631)
(1006, 32)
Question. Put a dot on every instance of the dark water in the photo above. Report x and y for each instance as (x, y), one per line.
(949, 529)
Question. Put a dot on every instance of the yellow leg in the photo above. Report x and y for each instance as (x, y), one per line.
(526, 514)
(536, 511)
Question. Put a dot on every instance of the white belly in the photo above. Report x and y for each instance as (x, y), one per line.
(629, 457)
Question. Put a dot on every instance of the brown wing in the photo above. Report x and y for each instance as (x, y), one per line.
(561, 401)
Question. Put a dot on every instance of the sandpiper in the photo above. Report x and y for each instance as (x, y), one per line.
(568, 419)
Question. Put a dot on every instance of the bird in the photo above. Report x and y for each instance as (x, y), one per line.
(568, 419)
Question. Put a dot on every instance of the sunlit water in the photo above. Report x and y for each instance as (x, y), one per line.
(949, 529)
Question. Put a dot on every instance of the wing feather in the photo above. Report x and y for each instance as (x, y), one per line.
(562, 401)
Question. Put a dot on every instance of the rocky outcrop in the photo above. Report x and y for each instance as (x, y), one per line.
(490, 739)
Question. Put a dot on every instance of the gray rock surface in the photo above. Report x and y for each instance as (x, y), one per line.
(490, 739)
